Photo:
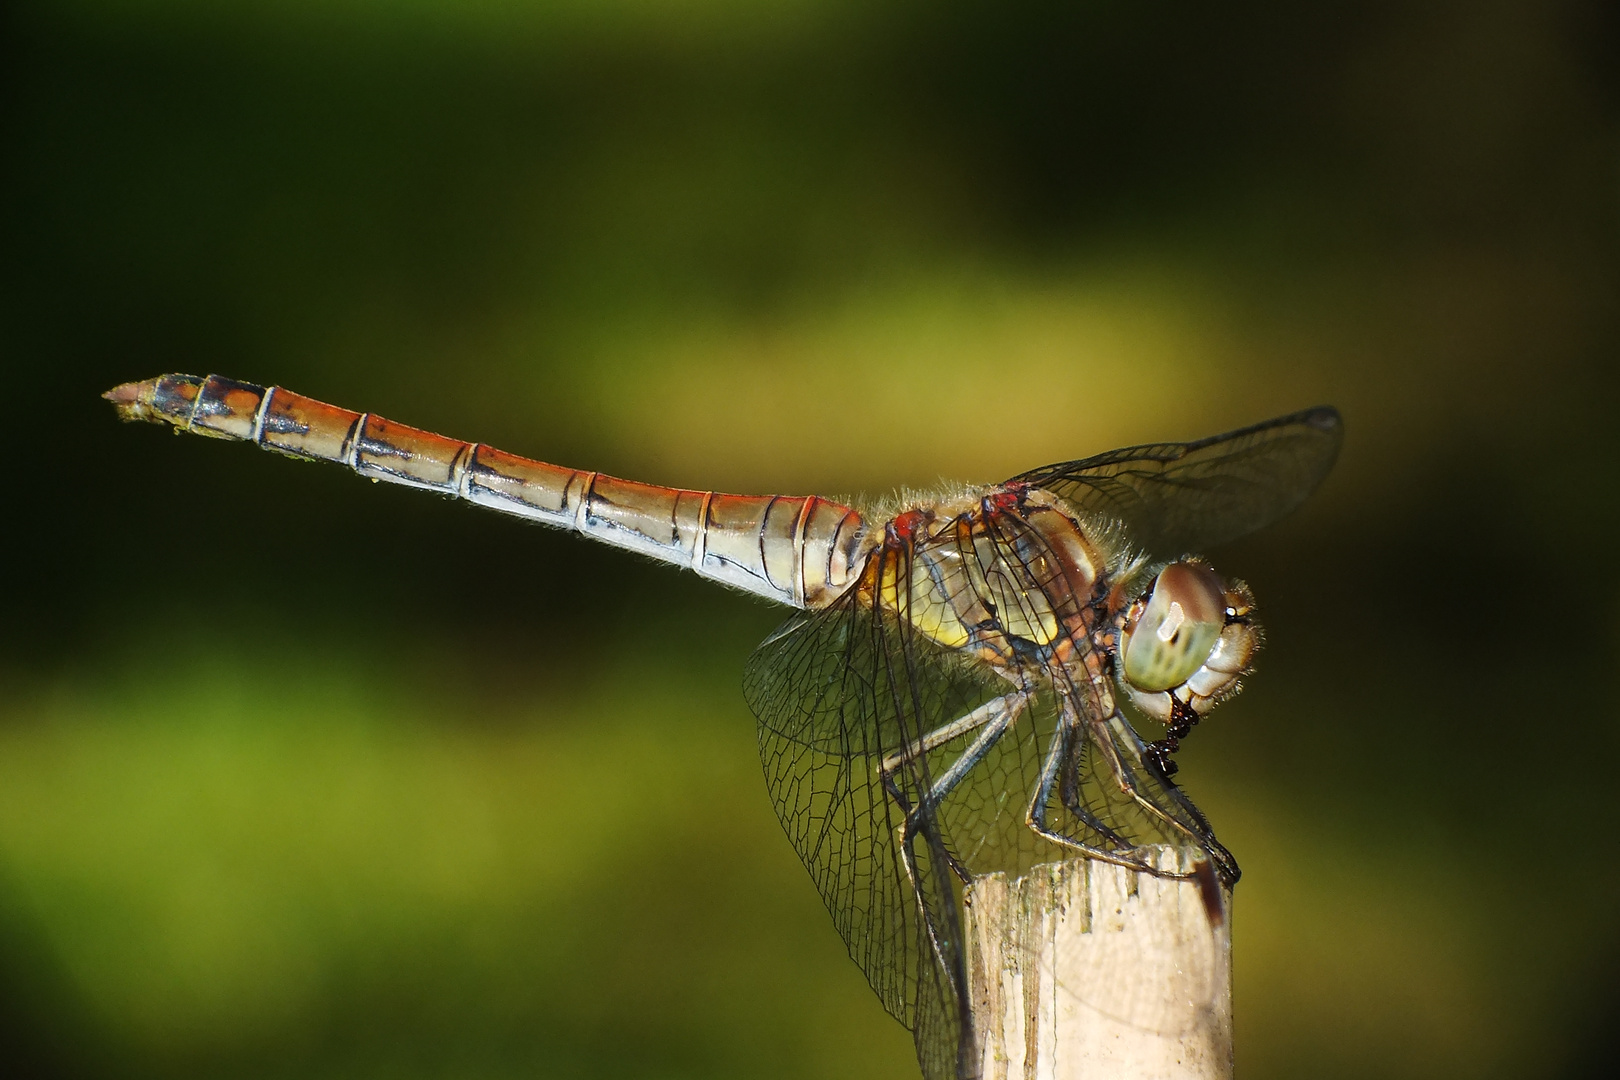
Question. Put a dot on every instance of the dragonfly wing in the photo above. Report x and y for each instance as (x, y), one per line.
(1180, 497)
(837, 692)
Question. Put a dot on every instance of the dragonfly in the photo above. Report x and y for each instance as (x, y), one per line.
(950, 697)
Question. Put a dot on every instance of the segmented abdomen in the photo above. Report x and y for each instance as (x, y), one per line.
(800, 550)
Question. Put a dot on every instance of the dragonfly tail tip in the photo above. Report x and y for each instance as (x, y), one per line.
(133, 400)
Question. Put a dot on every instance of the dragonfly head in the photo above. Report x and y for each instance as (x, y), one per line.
(1189, 636)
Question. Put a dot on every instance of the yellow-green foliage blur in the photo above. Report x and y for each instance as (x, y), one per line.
(304, 776)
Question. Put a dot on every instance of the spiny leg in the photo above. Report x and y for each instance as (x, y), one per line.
(1035, 815)
(1158, 755)
(995, 716)
(1104, 729)
(1068, 786)
(1012, 704)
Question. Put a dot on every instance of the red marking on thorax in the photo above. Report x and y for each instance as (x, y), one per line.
(1006, 500)
(905, 525)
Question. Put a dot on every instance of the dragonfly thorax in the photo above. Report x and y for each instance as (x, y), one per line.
(1004, 573)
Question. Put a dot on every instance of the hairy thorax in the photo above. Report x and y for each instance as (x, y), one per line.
(1004, 574)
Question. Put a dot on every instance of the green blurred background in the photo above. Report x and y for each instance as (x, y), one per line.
(306, 776)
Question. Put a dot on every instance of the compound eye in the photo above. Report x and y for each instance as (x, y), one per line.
(1177, 628)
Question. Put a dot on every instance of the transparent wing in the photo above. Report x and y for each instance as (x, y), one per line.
(892, 799)
(1180, 497)
(836, 692)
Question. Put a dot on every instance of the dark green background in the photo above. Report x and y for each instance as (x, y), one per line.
(305, 776)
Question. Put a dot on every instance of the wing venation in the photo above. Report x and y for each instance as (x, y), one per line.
(1175, 498)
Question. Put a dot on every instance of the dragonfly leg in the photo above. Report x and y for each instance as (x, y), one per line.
(1193, 825)
(995, 717)
(1159, 754)
(1035, 816)
(984, 714)
(1069, 794)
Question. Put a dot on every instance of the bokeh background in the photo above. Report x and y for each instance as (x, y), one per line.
(305, 776)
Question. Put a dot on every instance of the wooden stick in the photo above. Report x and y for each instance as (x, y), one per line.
(1082, 968)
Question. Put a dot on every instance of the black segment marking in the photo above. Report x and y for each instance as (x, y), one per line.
(585, 517)
(461, 468)
(700, 544)
(744, 567)
(764, 526)
(282, 424)
(372, 446)
(349, 449)
(263, 411)
(798, 549)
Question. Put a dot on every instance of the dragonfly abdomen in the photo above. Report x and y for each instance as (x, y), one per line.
(799, 550)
